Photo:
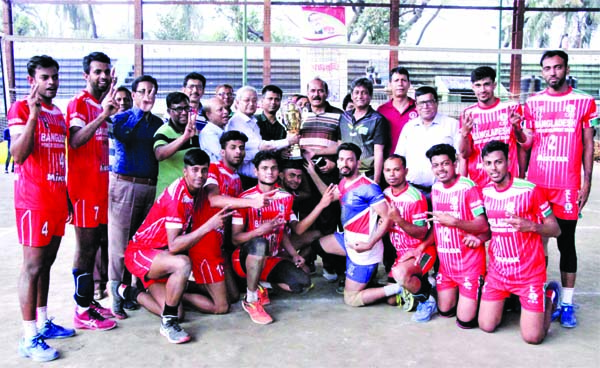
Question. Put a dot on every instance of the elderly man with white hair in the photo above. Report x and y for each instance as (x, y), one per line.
(243, 120)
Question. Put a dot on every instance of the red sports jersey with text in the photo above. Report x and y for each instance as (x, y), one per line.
(40, 182)
(227, 180)
(87, 177)
(463, 201)
(557, 122)
(172, 210)
(412, 206)
(281, 203)
(515, 256)
(489, 124)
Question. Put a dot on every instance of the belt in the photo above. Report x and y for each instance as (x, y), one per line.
(133, 179)
(422, 188)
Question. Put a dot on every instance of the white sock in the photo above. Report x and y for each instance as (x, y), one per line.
(42, 315)
(567, 296)
(29, 329)
(392, 289)
(251, 296)
(81, 309)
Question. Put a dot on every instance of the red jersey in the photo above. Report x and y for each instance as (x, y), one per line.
(281, 202)
(87, 177)
(515, 255)
(491, 124)
(40, 182)
(412, 206)
(172, 210)
(557, 122)
(397, 119)
(463, 201)
(227, 180)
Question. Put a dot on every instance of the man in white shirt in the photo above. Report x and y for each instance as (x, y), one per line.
(217, 115)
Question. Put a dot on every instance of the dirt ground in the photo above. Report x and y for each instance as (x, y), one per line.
(312, 330)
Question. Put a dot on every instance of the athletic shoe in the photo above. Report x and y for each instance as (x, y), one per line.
(50, 330)
(130, 305)
(257, 312)
(99, 294)
(92, 320)
(567, 316)
(410, 303)
(263, 295)
(173, 332)
(553, 292)
(117, 301)
(37, 349)
(341, 285)
(104, 312)
(330, 277)
(425, 310)
(399, 300)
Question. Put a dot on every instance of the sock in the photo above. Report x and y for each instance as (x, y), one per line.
(251, 296)
(392, 289)
(567, 295)
(80, 309)
(29, 329)
(169, 312)
(84, 287)
(42, 315)
(128, 292)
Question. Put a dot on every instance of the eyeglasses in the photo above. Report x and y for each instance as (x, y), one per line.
(426, 103)
(199, 87)
(181, 109)
(223, 94)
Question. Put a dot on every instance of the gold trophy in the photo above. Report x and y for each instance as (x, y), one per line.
(291, 118)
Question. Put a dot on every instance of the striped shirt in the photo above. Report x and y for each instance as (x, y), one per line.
(320, 130)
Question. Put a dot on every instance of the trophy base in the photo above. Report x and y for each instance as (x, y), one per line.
(295, 153)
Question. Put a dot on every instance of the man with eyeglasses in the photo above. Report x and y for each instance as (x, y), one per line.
(420, 134)
(132, 186)
(193, 86)
(174, 139)
(225, 93)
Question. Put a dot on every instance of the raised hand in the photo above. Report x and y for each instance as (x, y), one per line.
(218, 219)
(34, 100)
(467, 123)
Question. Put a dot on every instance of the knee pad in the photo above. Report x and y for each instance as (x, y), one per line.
(257, 247)
(84, 288)
(467, 325)
(353, 298)
(566, 245)
(448, 314)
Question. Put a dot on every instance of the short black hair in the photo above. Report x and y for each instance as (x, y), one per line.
(264, 156)
(94, 56)
(362, 82)
(124, 89)
(400, 70)
(399, 157)
(175, 98)
(347, 100)
(194, 157)
(552, 53)
(144, 78)
(442, 149)
(40, 61)
(425, 90)
(291, 164)
(493, 146)
(272, 88)
(194, 76)
(483, 72)
(349, 146)
(232, 135)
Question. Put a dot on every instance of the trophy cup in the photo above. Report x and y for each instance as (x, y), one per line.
(291, 118)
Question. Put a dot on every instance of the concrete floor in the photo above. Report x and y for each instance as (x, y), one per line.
(313, 330)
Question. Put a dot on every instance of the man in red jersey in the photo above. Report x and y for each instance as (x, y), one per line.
(157, 252)
(560, 121)
(38, 132)
(519, 216)
(265, 252)
(87, 182)
(487, 120)
(460, 228)
(400, 108)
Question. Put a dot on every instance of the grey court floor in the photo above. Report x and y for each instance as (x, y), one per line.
(312, 330)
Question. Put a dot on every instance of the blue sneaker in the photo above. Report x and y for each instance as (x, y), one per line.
(425, 310)
(555, 297)
(53, 331)
(567, 316)
(37, 349)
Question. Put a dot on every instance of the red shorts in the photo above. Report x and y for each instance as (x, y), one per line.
(426, 261)
(467, 283)
(36, 228)
(563, 202)
(89, 213)
(270, 263)
(207, 259)
(530, 293)
(138, 261)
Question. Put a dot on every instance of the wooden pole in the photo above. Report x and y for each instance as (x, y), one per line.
(8, 51)
(267, 38)
(394, 32)
(517, 44)
(138, 35)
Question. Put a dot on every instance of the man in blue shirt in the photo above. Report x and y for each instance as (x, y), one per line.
(132, 187)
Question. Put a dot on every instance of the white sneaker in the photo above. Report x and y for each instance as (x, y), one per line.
(330, 277)
(425, 310)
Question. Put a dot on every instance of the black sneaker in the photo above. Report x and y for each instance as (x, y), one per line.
(341, 285)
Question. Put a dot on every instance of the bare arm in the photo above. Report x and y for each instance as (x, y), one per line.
(378, 162)
(382, 210)
(311, 170)
(167, 150)
(300, 227)
(289, 248)
(414, 231)
(179, 242)
(476, 226)
(548, 228)
(218, 200)
(240, 236)
(588, 166)
(22, 144)
(465, 149)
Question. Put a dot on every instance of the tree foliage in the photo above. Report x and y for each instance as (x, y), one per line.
(181, 22)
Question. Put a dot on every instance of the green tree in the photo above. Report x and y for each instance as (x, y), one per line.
(80, 18)
(181, 22)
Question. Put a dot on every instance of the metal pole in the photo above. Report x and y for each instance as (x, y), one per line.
(244, 40)
(499, 62)
(8, 62)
